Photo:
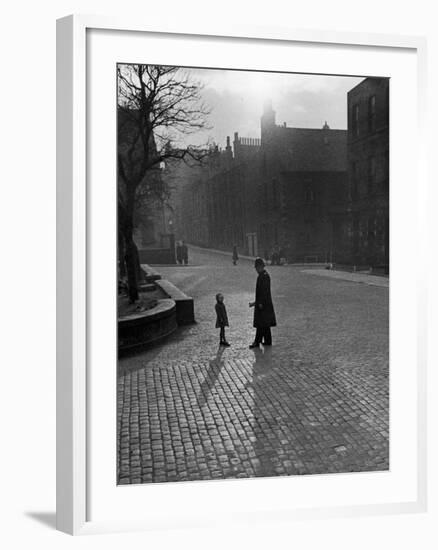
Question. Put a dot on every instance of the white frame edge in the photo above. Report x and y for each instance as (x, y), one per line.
(71, 386)
(71, 277)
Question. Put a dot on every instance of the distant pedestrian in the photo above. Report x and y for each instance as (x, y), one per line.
(221, 319)
(282, 256)
(184, 253)
(264, 314)
(275, 260)
(179, 254)
(235, 255)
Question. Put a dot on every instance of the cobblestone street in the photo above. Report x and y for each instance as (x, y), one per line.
(316, 402)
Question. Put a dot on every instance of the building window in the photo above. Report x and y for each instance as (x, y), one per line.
(371, 174)
(275, 193)
(355, 120)
(371, 234)
(310, 195)
(356, 236)
(372, 114)
(265, 194)
(308, 233)
(354, 179)
(276, 233)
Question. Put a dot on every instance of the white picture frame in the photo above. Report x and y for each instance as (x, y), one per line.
(74, 397)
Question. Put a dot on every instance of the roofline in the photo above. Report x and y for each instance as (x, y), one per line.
(313, 129)
(365, 79)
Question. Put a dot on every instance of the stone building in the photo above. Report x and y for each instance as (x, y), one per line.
(305, 175)
(368, 171)
(283, 189)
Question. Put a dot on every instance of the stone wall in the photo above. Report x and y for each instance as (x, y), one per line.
(157, 256)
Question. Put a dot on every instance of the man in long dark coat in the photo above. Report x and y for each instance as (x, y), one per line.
(179, 254)
(235, 254)
(264, 314)
(184, 253)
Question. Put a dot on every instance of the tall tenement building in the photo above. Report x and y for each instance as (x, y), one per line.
(368, 172)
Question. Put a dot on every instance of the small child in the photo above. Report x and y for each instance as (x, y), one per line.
(221, 318)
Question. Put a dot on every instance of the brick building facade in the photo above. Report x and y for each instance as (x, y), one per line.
(368, 167)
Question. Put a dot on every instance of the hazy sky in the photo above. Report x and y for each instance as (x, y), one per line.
(236, 100)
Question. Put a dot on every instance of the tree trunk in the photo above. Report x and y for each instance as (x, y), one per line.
(121, 255)
(131, 253)
(131, 261)
(140, 274)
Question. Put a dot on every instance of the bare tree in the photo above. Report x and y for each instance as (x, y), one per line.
(158, 107)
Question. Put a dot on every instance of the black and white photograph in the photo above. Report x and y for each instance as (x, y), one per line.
(252, 274)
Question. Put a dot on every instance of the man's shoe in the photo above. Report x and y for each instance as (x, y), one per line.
(226, 344)
(254, 345)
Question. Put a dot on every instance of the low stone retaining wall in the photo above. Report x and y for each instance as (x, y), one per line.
(147, 327)
(185, 312)
(157, 256)
(150, 274)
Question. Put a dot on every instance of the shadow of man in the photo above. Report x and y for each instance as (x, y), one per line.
(267, 422)
(211, 376)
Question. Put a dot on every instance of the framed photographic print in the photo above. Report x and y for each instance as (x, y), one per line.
(241, 320)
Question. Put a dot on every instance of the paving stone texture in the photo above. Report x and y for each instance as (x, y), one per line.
(317, 402)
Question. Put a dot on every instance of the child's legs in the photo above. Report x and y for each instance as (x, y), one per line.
(222, 334)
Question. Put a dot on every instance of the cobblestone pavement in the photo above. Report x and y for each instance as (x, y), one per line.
(316, 402)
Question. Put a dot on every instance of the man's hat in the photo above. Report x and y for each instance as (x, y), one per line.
(259, 262)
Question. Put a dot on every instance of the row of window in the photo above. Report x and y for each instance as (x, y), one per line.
(273, 193)
(371, 117)
(371, 178)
